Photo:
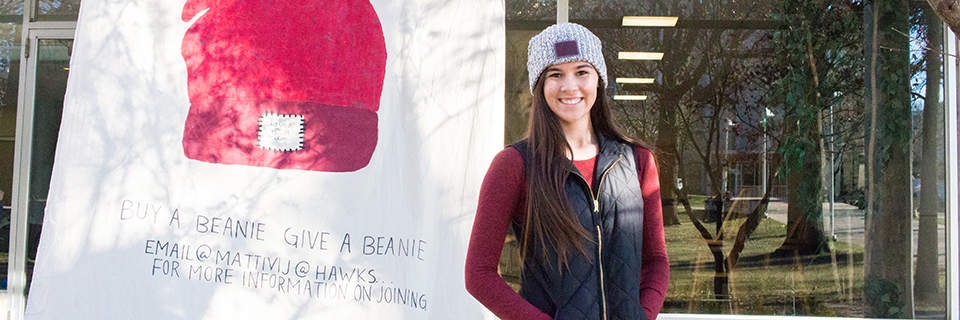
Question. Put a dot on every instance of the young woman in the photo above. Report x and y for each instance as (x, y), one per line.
(582, 198)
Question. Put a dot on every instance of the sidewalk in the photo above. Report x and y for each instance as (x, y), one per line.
(849, 224)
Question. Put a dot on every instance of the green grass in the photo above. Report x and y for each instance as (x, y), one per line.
(697, 200)
(826, 285)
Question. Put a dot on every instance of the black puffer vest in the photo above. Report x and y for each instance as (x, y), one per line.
(609, 289)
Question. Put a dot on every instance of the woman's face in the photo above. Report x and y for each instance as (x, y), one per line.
(571, 89)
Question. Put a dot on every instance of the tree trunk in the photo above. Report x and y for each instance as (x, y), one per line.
(803, 48)
(949, 11)
(715, 243)
(926, 284)
(887, 234)
(804, 167)
(805, 198)
(750, 225)
(667, 156)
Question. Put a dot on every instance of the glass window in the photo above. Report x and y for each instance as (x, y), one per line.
(10, 34)
(57, 10)
(800, 148)
(53, 62)
(11, 11)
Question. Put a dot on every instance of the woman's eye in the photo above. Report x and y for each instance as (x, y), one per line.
(553, 75)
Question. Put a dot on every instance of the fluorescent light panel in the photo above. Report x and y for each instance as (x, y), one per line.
(634, 21)
(629, 97)
(635, 80)
(640, 55)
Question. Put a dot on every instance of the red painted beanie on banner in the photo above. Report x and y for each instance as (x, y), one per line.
(286, 84)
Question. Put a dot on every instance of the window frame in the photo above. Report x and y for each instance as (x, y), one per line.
(951, 171)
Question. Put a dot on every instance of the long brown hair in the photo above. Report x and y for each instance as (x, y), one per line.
(550, 220)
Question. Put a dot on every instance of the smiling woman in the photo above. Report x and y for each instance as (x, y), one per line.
(582, 198)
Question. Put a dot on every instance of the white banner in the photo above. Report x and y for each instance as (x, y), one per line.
(240, 159)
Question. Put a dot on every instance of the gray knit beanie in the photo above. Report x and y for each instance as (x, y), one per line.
(562, 43)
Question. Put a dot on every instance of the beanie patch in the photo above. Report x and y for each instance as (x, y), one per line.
(280, 132)
(566, 49)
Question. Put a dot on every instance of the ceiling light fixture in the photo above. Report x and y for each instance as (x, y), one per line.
(640, 55)
(635, 80)
(633, 21)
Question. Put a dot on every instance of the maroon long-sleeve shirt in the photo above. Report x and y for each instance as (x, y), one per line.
(503, 199)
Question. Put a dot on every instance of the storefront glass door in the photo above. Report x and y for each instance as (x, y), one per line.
(37, 128)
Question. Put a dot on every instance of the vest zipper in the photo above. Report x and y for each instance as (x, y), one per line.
(603, 291)
(596, 209)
